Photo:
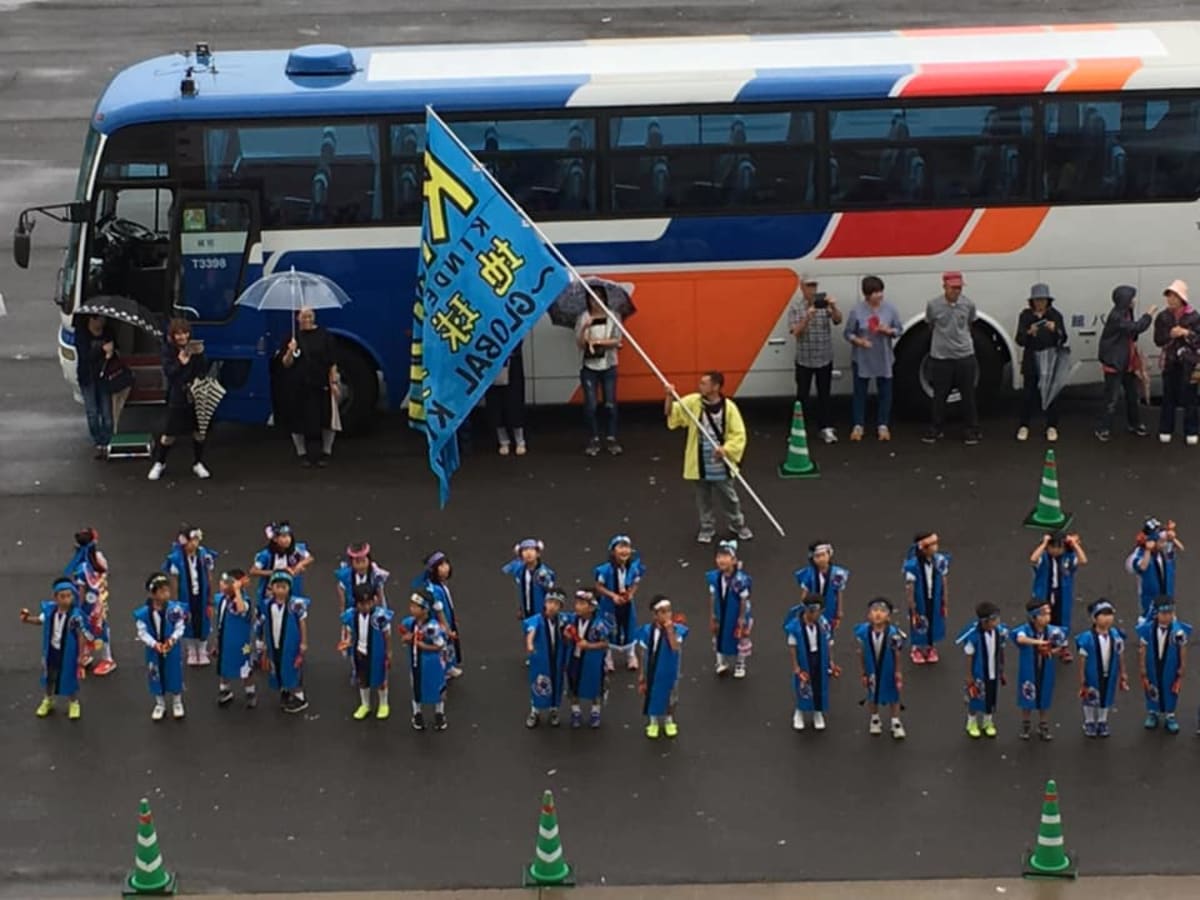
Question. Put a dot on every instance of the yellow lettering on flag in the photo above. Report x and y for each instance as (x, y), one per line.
(441, 187)
(456, 324)
(498, 266)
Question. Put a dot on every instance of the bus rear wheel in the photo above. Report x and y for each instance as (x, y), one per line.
(359, 401)
(914, 386)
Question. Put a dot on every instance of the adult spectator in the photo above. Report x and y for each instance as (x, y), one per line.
(811, 320)
(1177, 332)
(706, 460)
(308, 391)
(504, 404)
(599, 337)
(1040, 327)
(94, 347)
(1121, 362)
(183, 361)
(952, 362)
(872, 329)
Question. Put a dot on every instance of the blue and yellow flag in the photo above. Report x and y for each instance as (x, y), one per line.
(485, 278)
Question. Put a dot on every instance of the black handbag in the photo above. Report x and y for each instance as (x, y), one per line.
(116, 375)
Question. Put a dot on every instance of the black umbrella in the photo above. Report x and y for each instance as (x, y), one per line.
(122, 309)
(573, 301)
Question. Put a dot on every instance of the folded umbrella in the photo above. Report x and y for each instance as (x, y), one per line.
(1054, 372)
(207, 393)
(572, 302)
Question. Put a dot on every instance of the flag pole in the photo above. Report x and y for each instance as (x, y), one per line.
(734, 469)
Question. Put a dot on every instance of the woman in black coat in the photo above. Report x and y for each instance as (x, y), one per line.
(1040, 327)
(307, 388)
(183, 361)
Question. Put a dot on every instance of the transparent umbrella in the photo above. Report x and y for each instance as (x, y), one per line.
(1054, 371)
(291, 290)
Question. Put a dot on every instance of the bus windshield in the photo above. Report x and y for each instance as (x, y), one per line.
(70, 267)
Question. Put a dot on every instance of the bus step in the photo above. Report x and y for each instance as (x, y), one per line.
(135, 445)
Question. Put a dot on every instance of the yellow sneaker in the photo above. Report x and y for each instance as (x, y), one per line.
(973, 728)
(362, 712)
(73, 710)
(671, 729)
(652, 731)
(990, 729)
(383, 712)
(45, 707)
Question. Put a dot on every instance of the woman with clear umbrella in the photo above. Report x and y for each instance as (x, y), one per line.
(307, 389)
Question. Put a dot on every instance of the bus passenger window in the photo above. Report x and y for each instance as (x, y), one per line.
(1085, 159)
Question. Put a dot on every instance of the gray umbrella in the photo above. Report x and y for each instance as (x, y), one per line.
(1054, 371)
(573, 301)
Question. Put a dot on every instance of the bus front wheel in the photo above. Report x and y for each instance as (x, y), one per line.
(358, 403)
(914, 386)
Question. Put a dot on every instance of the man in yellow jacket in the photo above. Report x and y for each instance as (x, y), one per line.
(705, 465)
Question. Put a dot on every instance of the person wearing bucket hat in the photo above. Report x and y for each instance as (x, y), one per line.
(283, 624)
(1177, 332)
(1039, 327)
(160, 624)
(1162, 659)
(1038, 644)
(1102, 667)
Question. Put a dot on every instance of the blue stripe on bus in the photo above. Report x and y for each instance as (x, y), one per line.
(829, 83)
(66, 336)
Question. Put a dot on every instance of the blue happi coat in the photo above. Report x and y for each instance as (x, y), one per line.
(1035, 669)
(810, 578)
(379, 627)
(266, 560)
(585, 668)
(235, 638)
(377, 577)
(662, 666)
(1062, 599)
(548, 662)
(929, 621)
(427, 668)
(62, 678)
(198, 603)
(1100, 687)
(281, 651)
(881, 668)
(532, 585)
(164, 670)
(1159, 578)
(443, 602)
(973, 637)
(622, 618)
(726, 594)
(812, 695)
(1162, 669)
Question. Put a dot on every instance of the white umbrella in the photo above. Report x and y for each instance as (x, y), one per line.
(292, 290)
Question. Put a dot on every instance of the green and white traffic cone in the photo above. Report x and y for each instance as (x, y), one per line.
(549, 867)
(148, 877)
(1048, 514)
(1049, 858)
(797, 463)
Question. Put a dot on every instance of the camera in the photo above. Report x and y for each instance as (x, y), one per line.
(821, 301)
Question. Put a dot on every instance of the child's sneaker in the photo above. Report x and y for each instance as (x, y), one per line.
(819, 721)
(917, 655)
(160, 710)
(739, 669)
(594, 719)
(973, 728)
(383, 711)
(1102, 729)
(454, 672)
(202, 656)
(576, 719)
(1151, 721)
(1026, 731)
(898, 731)
(74, 711)
(554, 720)
(608, 663)
(296, 704)
(989, 729)
(521, 448)
(156, 471)
(251, 699)
(631, 663)
(1172, 724)
(931, 655)
(418, 721)
(104, 667)
(652, 731)
(504, 448)
(722, 667)
(177, 707)
(798, 720)
(224, 697)
(201, 471)
(671, 729)
(1089, 729)
(439, 722)
(532, 720)
(362, 712)
(1044, 731)
(190, 655)
(876, 726)
(45, 707)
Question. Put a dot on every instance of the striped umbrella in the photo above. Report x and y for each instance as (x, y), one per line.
(206, 393)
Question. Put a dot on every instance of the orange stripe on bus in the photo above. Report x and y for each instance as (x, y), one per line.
(1100, 75)
(978, 31)
(1004, 230)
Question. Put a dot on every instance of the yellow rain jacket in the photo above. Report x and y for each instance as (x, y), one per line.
(735, 433)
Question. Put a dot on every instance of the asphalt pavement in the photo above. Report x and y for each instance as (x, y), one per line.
(258, 801)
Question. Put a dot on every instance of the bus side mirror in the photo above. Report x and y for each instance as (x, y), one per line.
(22, 240)
(77, 213)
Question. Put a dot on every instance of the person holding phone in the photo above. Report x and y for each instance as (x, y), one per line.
(811, 320)
(183, 361)
(598, 335)
(872, 328)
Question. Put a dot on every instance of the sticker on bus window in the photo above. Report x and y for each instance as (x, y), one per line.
(1077, 321)
(195, 219)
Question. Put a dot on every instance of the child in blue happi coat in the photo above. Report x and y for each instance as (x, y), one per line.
(880, 645)
(532, 576)
(730, 618)
(547, 649)
(367, 637)
(926, 571)
(1162, 659)
(161, 624)
(587, 645)
(88, 568)
(662, 642)
(1152, 563)
(983, 643)
(821, 578)
(64, 641)
(357, 568)
(190, 566)
(435, 580)
(1055, 561)
(1039, 644)
(283, 553)
(1101, 669)
(617, 581)
(810, 640)
(426, 641)
(234, 638)
(283, 635)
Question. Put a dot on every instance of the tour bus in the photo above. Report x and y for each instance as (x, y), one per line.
(706, 173)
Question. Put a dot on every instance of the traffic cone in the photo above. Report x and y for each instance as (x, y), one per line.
(1049, 859)
(149, 876)
(1048, 514)
(797, 463)
(549, 868)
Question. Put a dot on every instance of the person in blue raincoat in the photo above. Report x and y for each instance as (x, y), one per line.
(880, 645)
(617, 581)
(358, 567)
(88, 568)
(367, 637)
(435, 580)
(983, 644)
(926, 571)
(283, 553)
(547, 649)
(1039, 644)
(161, 624)
(426, 642)
(64, 639)
(283, 633)
(810, 640)
(825, 580)
(1162, 659)
(730, 618)
(531, 575)
(1102, 668)
(1055, 561)
(190, 566)
(586, 634)
(1152, 563)
(662, 641)
(234, 638)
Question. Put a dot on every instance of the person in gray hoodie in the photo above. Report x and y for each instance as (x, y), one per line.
(1120, 360)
